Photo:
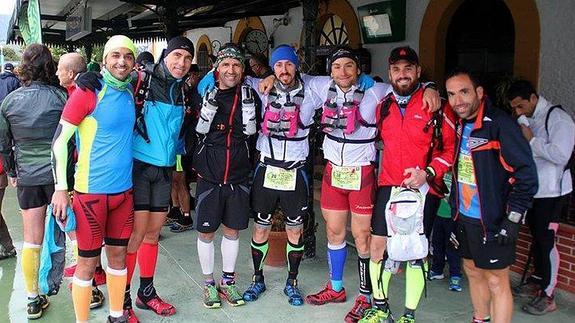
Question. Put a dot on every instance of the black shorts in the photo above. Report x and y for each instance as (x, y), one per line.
(485, 253)
(30, 197)
(379, 223)
(217, 203)
(294, 203)
(152, 187)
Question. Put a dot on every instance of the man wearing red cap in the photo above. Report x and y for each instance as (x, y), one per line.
(418, 148)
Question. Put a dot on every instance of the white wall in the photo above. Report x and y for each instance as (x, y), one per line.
(556, 73)
(380, 52)
(556, 68)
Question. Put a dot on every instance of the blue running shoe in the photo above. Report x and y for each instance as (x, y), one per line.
(455, 284)
(293, 293)
(255, 290)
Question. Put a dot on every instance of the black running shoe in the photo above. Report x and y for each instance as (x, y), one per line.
(37, 306)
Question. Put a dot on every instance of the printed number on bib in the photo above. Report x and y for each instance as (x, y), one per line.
(404, 219)
(466, 175)
(277, 178)
(346, 177)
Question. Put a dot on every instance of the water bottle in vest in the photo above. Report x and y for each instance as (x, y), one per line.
(348, 118)
(272, 117)
(329, 117)
(289, 120)
(248, 111)
(207, 113)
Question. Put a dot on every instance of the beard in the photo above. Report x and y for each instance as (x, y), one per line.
(404, 90)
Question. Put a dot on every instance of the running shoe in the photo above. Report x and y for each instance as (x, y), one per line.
(326, 295)
(176, 227)
(257, 287)
(231, 294)
(212, 297)
(37, 306)
(173, 215)
(4, 253)
(293, 293)
(100, 277)
(540, 304)
(406, 318)
(435, 275)
(156, 304)
(130, 315)
(69, 271)
(374, 315)
(359, 307)
(97, 299)
(455, 284)
(121, 319)
(527, 290)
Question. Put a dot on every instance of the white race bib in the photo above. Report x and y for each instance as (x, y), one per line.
(346, 177)
(277, 178)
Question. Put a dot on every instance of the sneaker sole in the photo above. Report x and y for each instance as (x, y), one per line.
(327, 302)
(215, 305)
(96, 305)
(35, 316)
(238, 303)
(531, 311)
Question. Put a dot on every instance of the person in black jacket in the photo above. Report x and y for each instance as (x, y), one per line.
(494, 182)
(8, 81)
(222, 161)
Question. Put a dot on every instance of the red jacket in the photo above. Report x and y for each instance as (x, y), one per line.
(406, 143)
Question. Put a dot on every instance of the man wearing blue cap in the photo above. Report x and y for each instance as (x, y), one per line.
(280, 177)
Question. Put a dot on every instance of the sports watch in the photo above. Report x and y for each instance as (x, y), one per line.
(514, 217)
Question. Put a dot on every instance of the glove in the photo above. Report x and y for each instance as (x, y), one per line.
(365, 82)
(207, 83)
(508, 232)
(89, 81)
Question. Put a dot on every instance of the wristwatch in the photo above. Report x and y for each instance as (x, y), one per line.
(514, 217)
(429, 174)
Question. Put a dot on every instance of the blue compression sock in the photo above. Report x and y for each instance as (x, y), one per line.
(336, 255)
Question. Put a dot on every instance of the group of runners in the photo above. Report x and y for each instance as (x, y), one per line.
(126, 137)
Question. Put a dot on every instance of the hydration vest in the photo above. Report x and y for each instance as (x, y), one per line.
(347, 118)
(282, 121)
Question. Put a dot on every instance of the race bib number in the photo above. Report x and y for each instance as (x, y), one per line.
(346, 177)
(466, 174)
(277, 178)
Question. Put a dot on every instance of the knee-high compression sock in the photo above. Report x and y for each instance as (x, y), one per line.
(294, 253)
(364, 277)
(81, 295)
(336, 255)
(131, 258)
(259, 253)
(380, 285)
(116, 281)
(30, 265)
(147, 260)
(206, 256)
(230, 248)
(414, 284)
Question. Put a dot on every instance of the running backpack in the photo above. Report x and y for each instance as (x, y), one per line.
(571, 161)
(404, 218)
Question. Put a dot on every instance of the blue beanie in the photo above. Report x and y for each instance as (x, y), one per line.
(284, 52)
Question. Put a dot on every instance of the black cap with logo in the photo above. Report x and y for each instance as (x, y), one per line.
(403, 53)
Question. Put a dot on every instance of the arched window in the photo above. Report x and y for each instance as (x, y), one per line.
(204, 62)
(334, 32)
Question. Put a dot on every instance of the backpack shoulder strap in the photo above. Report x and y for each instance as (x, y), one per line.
(549, 114)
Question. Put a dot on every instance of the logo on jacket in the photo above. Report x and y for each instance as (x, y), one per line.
(475, 142)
